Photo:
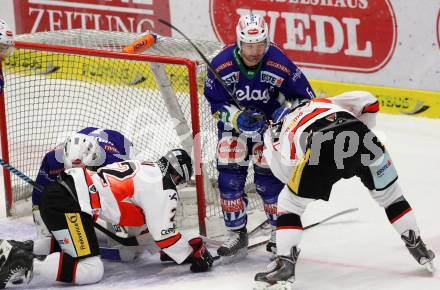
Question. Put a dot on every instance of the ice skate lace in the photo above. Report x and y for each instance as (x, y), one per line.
(232, 239)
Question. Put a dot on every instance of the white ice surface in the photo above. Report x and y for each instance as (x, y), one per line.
(360, 250)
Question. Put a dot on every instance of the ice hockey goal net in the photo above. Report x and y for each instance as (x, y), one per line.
(60, 82)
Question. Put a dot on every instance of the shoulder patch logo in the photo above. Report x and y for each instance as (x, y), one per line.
(271, 78)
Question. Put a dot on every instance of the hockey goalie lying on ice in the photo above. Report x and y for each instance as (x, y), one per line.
(129, 193)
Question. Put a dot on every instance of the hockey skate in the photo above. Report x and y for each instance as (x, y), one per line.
(16, 265)
(235, 246)
(418, 250)
(280, 274)
(27, 245)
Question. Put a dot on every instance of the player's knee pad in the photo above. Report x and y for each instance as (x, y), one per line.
(233, 198)
(387, 196)
(89, 271)
(269, 187)
(291, 203)
(232, 153)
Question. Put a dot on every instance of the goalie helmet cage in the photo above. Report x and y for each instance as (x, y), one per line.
(59, 82)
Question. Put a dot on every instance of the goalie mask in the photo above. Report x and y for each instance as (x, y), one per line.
(82, 150)
(178, 165)
(252, 29)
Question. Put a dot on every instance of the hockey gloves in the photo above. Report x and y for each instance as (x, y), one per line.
(251, 123)
(279, 114)
(201, 259)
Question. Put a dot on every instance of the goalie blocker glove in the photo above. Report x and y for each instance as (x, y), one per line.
(201, 259)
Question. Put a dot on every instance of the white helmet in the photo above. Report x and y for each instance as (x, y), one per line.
(252, 29)
(81, 149)
(6, 34)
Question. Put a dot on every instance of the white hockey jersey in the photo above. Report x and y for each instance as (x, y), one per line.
(283, 154)
(131, 193)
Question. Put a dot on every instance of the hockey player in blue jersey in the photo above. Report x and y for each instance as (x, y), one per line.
(263, 81)
(90, 147)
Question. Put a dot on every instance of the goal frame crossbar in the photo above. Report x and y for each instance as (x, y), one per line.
(191, 66)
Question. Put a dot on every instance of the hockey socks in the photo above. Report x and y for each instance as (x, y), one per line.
(401, 216)
(289, 233)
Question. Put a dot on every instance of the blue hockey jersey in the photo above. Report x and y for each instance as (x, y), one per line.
(2, 82)
(259, 88)
(115, 145)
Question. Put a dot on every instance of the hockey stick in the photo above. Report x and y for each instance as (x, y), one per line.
(217, 243)
(208, 63)
(250, 247)
(254, 230)
(256, 245)
(331, 217)
(129, 241)
(20, 174)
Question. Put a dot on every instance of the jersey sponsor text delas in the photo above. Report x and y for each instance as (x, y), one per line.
(259, 87)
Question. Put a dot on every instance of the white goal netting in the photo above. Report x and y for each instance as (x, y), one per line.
(52, 91)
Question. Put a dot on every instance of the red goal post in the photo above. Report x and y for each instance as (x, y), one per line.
(60, 82)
